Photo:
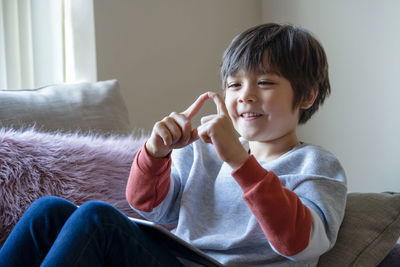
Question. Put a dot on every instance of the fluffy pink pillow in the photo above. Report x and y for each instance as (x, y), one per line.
(74, 166)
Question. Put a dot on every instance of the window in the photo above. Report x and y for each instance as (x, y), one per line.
(46, 42)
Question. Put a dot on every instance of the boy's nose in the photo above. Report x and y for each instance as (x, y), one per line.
(247, 95)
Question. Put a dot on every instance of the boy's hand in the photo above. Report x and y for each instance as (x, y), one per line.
(174, 131)
(218, 130)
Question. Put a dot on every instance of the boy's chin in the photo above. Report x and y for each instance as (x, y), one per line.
(249, 137)
(252, 136)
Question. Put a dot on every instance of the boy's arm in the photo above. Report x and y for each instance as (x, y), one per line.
(290, 227)
(149, 181)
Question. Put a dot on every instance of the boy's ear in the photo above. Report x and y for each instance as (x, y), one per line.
(309, 101)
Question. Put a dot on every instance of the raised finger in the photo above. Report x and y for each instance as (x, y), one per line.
(219, 102)
(191, 111)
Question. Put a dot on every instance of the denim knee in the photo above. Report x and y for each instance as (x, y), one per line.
(51, 205)
(50, 201)
(100, 210)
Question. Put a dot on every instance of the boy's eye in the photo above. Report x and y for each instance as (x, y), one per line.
(233, 85)
(265, 83)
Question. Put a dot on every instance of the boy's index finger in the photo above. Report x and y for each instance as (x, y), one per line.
(220, 103)
(191, 111)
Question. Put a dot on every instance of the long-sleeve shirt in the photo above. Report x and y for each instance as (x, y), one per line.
(284, 212)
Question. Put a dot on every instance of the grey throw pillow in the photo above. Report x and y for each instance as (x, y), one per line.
(88, 107)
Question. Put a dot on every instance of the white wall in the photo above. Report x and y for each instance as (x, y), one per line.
(360, 122)
(166, 53)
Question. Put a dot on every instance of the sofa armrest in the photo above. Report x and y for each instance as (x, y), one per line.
(370, 229)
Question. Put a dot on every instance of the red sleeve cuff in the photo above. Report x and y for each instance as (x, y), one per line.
(249, 173)
(149, 181)
(155, 166)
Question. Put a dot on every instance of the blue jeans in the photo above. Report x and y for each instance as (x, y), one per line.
(55, 232)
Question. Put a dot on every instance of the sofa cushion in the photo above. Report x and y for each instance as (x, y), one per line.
(73, 166)
(96, 107)
(370, 229)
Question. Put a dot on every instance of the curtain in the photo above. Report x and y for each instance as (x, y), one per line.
(46, 42)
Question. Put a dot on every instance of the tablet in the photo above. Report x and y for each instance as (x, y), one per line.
(179, 247)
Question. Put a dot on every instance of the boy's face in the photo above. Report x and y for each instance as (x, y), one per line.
(261, 105)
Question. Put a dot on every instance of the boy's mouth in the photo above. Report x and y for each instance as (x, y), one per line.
(250, 115)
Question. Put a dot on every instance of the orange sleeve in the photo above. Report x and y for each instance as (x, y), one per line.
(284, 219)
(149, 181)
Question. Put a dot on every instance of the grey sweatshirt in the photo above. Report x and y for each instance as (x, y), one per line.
(232, 216)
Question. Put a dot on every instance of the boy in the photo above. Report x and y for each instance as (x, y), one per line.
(263, 199)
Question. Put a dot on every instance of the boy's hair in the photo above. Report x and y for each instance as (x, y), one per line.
(291, 52)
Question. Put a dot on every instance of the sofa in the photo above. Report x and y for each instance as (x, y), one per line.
(76, 141)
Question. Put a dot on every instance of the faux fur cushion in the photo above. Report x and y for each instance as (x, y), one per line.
(74, 166)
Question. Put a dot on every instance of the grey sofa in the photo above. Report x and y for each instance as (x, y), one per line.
(89, 123)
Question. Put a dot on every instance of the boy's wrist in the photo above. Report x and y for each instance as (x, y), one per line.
(239, 161)
(154, 152)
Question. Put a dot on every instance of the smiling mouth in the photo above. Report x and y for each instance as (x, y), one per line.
(250, 115)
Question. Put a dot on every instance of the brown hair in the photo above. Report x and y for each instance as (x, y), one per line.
(289, 51)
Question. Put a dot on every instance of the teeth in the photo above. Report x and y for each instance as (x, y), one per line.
(250, 114)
